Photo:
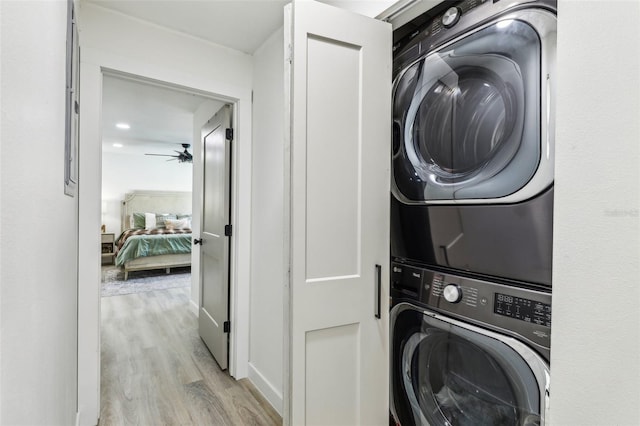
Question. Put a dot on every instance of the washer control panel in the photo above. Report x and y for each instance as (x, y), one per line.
(518, 310)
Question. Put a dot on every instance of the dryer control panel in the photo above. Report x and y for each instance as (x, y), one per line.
(518, 311)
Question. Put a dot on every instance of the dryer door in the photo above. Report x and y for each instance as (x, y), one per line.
(449, 373)
(467, 119)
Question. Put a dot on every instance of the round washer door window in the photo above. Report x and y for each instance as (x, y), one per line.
(466, 117)
(457, 377)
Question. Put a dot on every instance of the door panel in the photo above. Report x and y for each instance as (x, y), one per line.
(328, 368)
(332, 139)
(340, 142)
(214, 290)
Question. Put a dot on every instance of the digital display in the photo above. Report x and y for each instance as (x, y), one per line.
(522, 309)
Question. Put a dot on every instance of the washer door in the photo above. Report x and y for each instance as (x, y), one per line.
(467, 118)
(449, 373)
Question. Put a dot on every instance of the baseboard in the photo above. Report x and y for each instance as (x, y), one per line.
(193, 307)
(267, 390)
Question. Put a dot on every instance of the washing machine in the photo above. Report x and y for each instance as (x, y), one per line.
(467, 351)
(473, 140)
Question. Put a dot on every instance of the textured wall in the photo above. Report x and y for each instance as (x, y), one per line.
(595, 340)
(38, 223)
(267, 220)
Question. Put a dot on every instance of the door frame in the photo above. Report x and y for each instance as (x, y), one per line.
(94, 64)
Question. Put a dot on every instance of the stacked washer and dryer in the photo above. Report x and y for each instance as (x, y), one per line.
(471, 211)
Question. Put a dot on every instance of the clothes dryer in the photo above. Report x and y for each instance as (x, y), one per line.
(467, 351)
(473, 141)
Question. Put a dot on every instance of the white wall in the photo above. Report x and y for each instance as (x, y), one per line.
(595, 340)
(267, 221)
(113, 41)
(122, 173)
(200, 117)
(38, 223)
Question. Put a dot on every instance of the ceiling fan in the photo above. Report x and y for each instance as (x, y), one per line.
(182, 157)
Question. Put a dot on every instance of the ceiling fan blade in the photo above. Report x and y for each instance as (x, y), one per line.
(182, 157)
(163, 155)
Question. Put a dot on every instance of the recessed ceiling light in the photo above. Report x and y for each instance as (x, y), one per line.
(124, 126)
(117, 145)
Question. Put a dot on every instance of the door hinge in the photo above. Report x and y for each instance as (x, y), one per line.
(226, 326)
(290, 54)
(229, 134)
(228, 229)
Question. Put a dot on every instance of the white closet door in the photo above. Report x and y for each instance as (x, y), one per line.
(340, 101)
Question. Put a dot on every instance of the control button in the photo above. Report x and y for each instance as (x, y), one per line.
(483, 301)
(451, 17)
(452, 293)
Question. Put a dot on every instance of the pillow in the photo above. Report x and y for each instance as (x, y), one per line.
(137, 221)
(160, 218)
(149, 221)
(186, 216)
(177, 223)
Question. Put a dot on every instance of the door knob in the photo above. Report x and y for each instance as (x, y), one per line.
(197, 241)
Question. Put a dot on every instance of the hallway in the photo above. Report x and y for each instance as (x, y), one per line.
(156, 370)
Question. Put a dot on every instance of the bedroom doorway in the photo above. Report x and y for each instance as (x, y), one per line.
(144, 138)
(215, 84)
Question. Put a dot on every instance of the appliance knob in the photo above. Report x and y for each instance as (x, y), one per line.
(451, 17)
(452, 293)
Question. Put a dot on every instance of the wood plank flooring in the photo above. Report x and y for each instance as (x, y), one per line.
(156, 370)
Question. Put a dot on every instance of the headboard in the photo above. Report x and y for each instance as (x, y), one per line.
(154, 202)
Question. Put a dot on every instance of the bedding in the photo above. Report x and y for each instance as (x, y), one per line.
(161, 219)
(136, 243)
(137, 220)
(158, 206)
(152, 220)
(177, 223)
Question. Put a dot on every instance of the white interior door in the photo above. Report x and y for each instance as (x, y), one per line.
(214, 243)
(340, 112)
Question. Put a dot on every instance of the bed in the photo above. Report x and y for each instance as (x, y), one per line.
(167, 242)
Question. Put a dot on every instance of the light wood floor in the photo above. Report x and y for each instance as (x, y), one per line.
(156, 370)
